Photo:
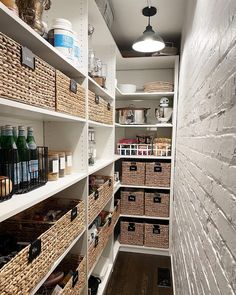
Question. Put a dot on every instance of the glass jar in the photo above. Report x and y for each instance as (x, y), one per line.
(53, 166)
(68, 169)
(62, 164)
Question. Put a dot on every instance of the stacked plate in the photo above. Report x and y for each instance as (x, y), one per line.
(158, 86)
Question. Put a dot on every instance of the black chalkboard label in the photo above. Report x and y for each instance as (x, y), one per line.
(34, 250)
(157, 168)
(73, 86)
(131, 227)
(27, 58)
(131, 198)
(109, 221)
(109, 183)
(96, 241)
(96, 99)
(74, 213)
(156, 229)
(75, 278)
(133, 168)
(108, 106)
(157, 198)
(96, 194)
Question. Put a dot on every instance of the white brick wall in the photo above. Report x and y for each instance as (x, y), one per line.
(204, 232)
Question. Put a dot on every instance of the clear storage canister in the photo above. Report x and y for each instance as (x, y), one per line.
(68, 169)
(62, 164)
(53, 166)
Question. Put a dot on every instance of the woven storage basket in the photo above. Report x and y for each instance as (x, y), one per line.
(20, 276)
(132, 201)
(131, 233)
(157, 204)
(158, 174)
(76, 264)
(95, 107)
(156, 235)
(20, 83)
(68, 101)
(107, 113)
(100, 197)
(133, 173)
(95, 249)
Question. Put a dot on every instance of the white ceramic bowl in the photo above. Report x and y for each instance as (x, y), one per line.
(127, 88)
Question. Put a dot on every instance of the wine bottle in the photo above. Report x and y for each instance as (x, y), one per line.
(24, 158)
(34, 161)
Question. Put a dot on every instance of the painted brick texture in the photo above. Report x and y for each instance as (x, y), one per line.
(204, 227)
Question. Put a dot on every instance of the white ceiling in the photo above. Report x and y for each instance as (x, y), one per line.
(129, 23)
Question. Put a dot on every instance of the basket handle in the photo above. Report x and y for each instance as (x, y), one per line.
(97, 98)
(156, 229)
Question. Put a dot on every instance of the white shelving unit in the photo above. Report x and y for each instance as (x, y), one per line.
(139, 71)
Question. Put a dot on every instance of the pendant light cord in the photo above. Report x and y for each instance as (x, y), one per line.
(149, 3)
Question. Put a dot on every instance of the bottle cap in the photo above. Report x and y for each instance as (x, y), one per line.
(21, 128)
(30, 128)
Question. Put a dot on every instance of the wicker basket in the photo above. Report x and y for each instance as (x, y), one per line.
(132, 202)
(19, 276)
(157, 204)
(76, 264)
(99, 199)
(158, 174)
(95, 249)
(131, 233)
(107, 113)
(133, 173)
(70, 96)
(156, 235)
(95, 107)
(21, 83)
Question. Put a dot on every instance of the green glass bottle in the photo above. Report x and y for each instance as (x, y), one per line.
(11, 157)
(15, 133)
(34, 161)
(24, 158)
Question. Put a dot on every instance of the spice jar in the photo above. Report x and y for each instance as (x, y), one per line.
(68, 168)
(53, 166)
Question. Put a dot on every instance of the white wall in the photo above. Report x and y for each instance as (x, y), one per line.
(204, 254)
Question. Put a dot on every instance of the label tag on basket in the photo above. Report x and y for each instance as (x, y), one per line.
(109, 221)
(131, 198)
(96, 241)
(34, 250)
(96, 99)
(108, 106)
(74, 213)
(156, 229)
(75, 278)
(96, 194)
(27, 58)
(109, 183)
(131, 226)
(133, 168)
(73, 86)
(157, 167)
(157, 198)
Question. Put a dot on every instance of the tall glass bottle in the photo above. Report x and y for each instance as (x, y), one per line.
(11, 157)
(34, 162)
(15, 133)
(23, 152)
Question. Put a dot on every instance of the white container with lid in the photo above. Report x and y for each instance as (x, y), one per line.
(76, 49)
(63, 38)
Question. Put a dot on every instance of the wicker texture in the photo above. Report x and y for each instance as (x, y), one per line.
(157, 204)
(158, 86)
(107, 113)
(18, 276)
(99, 199)
(20, 83)
(68, 101)
(79, 287)
(95, 251)
(132, 202)
(133, 173)
(156, 235)
(131, 237)
(158, 174)
(95, 107)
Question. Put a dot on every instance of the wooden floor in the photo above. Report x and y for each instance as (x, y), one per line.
(136, 274)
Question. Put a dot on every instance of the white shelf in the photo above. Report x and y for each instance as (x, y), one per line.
(98, 124)
(164, 125)
(141, 95)
(116, 249)
(145, 217)
(105, 280)
(21, 110)
(145, 157)
(99, 164)
(145, 186)
(144, 250)
(19, 203)
(116, 186)
(56, 263)
(12, 26)
(97, 89)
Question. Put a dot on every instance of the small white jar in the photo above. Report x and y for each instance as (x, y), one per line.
(76, 49)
